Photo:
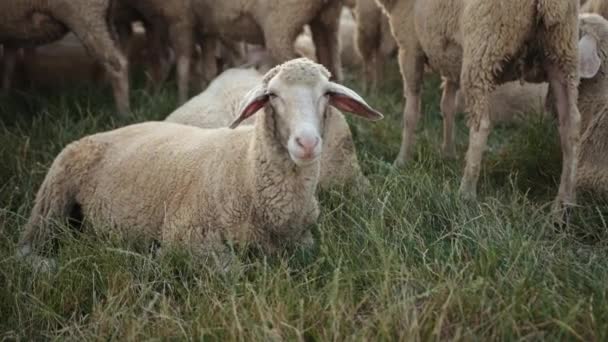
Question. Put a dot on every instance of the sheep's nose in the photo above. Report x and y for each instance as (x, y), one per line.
(307, 144)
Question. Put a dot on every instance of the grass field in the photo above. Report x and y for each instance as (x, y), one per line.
(409, 261)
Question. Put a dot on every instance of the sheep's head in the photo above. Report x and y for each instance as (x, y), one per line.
(592, 44)
(298, 94)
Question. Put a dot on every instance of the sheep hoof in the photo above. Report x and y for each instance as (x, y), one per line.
(401, 162)
(467, 193)
(562, 212)
(307, 241)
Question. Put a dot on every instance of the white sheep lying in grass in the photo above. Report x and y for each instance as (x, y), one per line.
(218, 106)
(201, 187)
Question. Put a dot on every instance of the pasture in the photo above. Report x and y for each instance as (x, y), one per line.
(406, 260)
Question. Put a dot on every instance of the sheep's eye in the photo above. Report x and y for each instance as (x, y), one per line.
(272, 95)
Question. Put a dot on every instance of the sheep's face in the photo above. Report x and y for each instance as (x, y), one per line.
(300, 108)
(298, 94)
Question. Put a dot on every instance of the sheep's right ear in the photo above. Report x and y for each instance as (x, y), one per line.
(589, 61)
(254, 100)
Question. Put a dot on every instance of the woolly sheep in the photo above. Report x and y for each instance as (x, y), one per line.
(480, 44)
(218, 106)
(275, 24)
(593, 103)
(374, 40)
(198, 187)
(35, 22)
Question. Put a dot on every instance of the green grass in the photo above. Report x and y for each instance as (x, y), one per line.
(407, 261)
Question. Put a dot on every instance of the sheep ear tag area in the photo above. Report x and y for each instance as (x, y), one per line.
(250, 108)
(588, 59)
(350, 105)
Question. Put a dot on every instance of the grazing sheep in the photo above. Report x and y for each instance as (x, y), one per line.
(198, 187)
(593, 103)
(479, 44)
(167, 23)
(218, 106)
(275, 24)
(374, 40)
(36, 22)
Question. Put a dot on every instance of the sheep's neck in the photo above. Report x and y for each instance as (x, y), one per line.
(284, 198)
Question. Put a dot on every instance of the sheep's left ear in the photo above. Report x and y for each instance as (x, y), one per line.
(347, 100)
(589, 61)
(254, 100)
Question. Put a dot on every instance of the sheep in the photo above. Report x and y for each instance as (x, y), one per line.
(349, 55)
(479, 44)
(275, 24)
(218, 105)
(512, 101)
(595, 6)
(31, 23)
(593, 103)
(374, 40)
(180, 184)
(165, 21)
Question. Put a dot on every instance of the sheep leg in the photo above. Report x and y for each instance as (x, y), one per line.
(478, 139)
(564, 94)
(371, 64)
(209, 63)
(181, 36)
(159, 59)
(325, 35)
(280, 46)
(412, 68)
(96, 38)
(8, 67)
(448, 108)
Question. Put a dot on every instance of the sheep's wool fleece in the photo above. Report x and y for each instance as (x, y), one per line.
(177, 183)
(218, 106)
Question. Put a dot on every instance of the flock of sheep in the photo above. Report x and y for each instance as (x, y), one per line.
(241, 162)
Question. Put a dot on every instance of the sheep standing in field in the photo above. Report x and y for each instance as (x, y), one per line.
(167, 23)
(218, 106)
(593, 103)
(374, 40)
(31, 23)
(198, 187)
(596, 6)
(479, 44)
(274, 24)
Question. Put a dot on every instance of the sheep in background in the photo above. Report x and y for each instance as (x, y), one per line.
(36, 22)
(479, 44)
(593, 103)
(167, 24)
(274, 24)
(198, 187)
(218, 106)
(512, 101)
(374, 40)
(349, 55)
(595, 6)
